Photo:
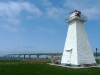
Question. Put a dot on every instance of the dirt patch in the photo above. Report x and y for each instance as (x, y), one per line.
(8, 63)
(38, 60)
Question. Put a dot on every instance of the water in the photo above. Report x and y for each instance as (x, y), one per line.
(26, 57)
(33, 57)
(98, 57)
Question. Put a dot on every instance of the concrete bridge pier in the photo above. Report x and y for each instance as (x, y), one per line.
(24, 56)
(38, 57)
(11, 56)
(30, 57)
(8, 56)
(14, 56)
(19, 56)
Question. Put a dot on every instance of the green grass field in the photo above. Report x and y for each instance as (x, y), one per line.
(15, 67)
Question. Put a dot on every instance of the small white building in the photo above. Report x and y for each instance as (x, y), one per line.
(77, 50)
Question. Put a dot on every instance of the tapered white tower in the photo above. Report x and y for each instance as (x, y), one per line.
(77, 50)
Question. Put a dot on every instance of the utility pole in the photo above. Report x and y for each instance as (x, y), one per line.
(97, 56)
(96, 53)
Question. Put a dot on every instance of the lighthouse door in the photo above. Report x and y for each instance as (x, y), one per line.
(68, 56)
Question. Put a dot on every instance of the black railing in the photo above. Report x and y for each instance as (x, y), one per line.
(81, 17)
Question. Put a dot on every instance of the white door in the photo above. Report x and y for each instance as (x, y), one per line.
(68, 57)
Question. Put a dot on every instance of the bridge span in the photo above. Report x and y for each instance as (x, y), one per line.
(36, 54)
(40, 54)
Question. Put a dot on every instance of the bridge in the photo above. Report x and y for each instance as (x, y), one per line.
(40, 54)
(36, 54)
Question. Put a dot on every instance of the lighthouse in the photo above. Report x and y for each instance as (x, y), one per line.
(77, 50)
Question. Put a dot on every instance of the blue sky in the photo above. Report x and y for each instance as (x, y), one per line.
(32, 26)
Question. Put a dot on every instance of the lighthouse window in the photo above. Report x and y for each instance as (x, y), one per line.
(78, 14)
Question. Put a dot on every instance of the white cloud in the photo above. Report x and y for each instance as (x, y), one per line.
(46, 3)
(90, 8)
(52, 11)
(31, 8)
(48, 30)
(17, 36)
(11, 11)
(92, 13)
(29, 17)
(10, 28)
(55, 12)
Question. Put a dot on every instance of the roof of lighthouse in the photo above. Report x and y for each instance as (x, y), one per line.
(75, 11)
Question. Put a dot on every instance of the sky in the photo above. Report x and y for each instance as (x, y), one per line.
(38, 26)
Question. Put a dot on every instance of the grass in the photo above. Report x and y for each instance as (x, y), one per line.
(16, 67)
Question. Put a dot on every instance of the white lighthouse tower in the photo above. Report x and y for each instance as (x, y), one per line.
(77, 50)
